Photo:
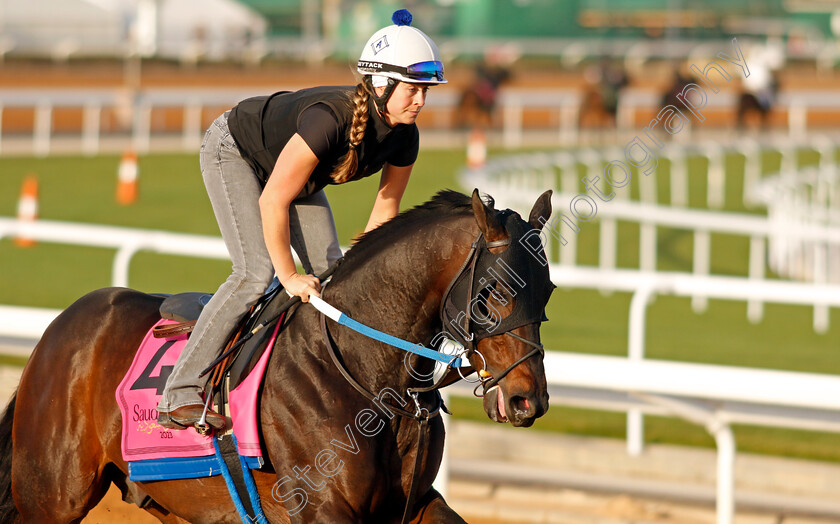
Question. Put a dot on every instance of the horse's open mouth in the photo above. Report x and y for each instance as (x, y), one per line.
(501, 405)
(494, 404)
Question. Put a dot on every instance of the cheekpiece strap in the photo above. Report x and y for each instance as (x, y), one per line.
(498, 243)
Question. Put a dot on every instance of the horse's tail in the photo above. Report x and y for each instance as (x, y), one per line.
(8, 511)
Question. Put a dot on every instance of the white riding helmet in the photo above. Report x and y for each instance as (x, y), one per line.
(401, 52)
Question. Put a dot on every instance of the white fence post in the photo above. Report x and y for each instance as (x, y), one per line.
(702, 262)
(647, 188)
(122, 261)
(636, 352)
(797, 119)
(192, 126)
(755, 307)
(512, 125)
(91, 121)
(725, 500)
(647, 246)
(752, 170)
(43, 128)
(569, 115)
(568, 184)
(679, 177)
(715, 177)
(821, 313)
(607, 247)
(141, 138)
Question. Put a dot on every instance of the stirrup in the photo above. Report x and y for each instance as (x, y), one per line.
(203, 430)
(165, 418)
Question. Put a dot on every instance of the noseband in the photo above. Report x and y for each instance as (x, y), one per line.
(490, 381)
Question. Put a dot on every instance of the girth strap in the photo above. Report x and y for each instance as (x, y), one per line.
(235, 477)
(422, 437)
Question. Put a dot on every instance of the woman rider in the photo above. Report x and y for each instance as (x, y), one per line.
(265, 164)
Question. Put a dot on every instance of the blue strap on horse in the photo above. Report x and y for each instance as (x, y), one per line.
(238, 479)
(417, 349)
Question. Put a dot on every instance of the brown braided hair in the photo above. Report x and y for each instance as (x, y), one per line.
(348, 165)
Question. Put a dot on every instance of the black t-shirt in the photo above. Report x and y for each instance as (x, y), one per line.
(322, 116)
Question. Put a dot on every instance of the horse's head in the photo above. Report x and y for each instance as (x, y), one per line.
(502, 292)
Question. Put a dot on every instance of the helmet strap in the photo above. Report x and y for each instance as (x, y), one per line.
(381, 101)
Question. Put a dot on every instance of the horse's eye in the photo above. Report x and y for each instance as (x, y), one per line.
(483, 296)
(501, 293)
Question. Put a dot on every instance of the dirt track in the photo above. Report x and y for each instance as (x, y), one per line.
(532, 506)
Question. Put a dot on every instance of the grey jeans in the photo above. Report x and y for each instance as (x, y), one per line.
(234, 192)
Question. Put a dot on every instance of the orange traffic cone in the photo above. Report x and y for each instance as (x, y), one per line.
(27, 210)
(476, 149)
(127, 179)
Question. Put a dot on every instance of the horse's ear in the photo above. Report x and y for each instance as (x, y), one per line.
(541, 210)
(486, 218)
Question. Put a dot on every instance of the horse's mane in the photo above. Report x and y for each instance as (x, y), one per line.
(445, 203)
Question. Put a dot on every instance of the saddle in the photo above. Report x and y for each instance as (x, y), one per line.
(155, 453)
(183, 309)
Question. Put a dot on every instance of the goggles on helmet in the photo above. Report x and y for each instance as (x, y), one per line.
(429, 71)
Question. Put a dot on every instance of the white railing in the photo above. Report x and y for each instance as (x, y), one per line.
(530, 171)
(134, 111)
(759, 230)
(126, 241)
(516, 180)
(797, 104)
(25, 322)
(808, 196)
(645, 286)
(712, 396)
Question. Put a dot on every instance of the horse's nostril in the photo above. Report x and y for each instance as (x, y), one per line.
(520, 405)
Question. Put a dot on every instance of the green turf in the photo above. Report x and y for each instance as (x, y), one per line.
(10, 360)
(81, 189)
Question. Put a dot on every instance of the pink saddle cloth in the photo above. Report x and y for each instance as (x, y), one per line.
(140, 390)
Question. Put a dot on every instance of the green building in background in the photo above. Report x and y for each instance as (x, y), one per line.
(555, 18)
(349, 22)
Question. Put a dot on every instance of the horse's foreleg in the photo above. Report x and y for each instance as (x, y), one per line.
(432, 509)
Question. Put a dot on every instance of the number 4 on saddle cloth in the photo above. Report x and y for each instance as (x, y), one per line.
(154, 452)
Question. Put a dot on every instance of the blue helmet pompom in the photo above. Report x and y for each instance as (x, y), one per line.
(401, 17)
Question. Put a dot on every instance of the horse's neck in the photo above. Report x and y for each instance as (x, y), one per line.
(399, 292)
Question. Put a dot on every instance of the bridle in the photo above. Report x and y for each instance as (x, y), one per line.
(467, 346)
(466, 331)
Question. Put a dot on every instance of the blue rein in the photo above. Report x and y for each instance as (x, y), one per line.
(417, 349)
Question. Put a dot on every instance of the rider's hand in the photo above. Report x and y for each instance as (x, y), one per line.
(302, 286)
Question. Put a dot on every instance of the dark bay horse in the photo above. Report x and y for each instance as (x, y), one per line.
(332, 456)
